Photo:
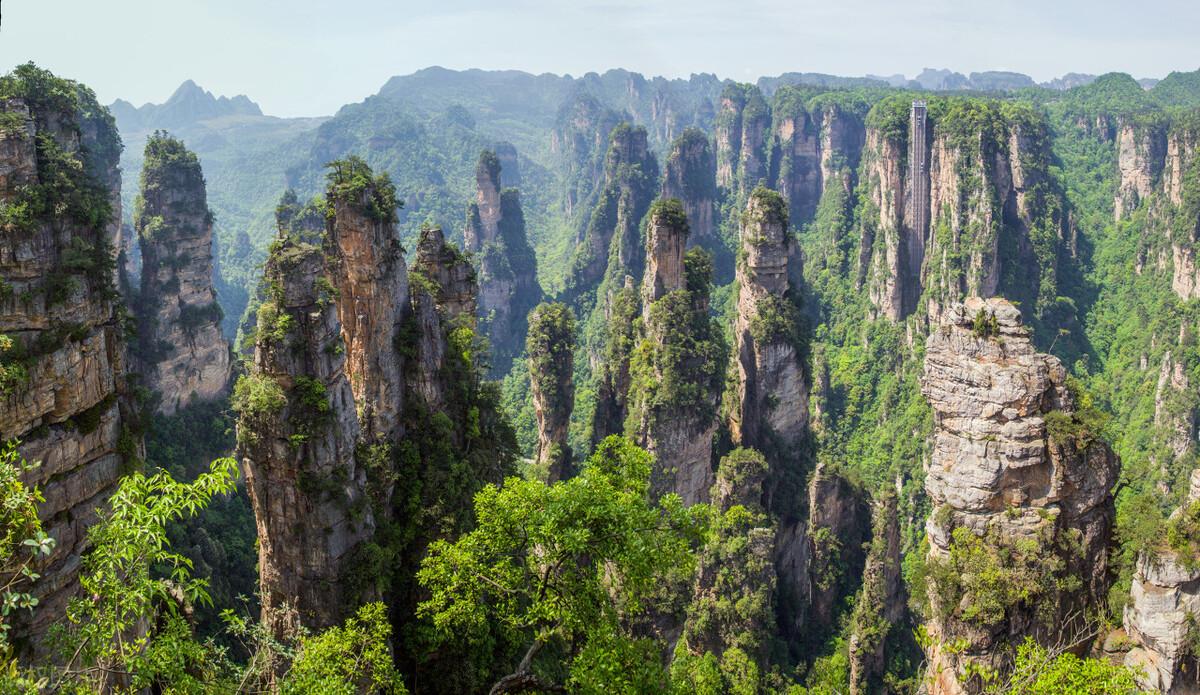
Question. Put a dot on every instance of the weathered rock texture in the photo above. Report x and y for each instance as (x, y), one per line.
(667, 234)
(992, 223)
(1161, 616)
(769, 406)
(798, 145)
(1154, 159)
(298, 452)
(331, 452)
(771, 409)
(610, 245)
(1141, 154)
(1012, 462)
(550, 347)
(184, 355)
(678, 368)
(368, 269)
(62, 389)
(689, 175)
(443, 297)
(508, 286)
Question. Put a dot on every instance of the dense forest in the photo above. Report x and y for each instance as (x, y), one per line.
(496, 382)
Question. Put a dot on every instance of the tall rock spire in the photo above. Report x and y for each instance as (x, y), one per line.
(1020, 485)
(368, 268)
(690, 176)
(508, 286)
(550, 348)
(677, 368)
(184, 354)
(298, 436)
(611, 243)
(772, 388)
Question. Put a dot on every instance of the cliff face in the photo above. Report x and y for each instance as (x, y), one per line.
(508, 286)
(742, 124)
(796, 156)
(797, 145)
(991, 222)
(550, 347)
(812, 148)
(1141, 152)
(62, 350)
(677, 368)
(689, 176)
(579, 141)
(611, 243)
(1183, 156)
(1161, 614)
(297, 439)
(443, 297)
(185, 355)
(843, 136)
(369, 271)
(1020, 485)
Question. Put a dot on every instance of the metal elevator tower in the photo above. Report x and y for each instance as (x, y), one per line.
(918, 156)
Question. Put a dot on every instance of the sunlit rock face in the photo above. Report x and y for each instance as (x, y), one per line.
(1010, 464)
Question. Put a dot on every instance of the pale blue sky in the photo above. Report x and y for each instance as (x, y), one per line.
(308, 57)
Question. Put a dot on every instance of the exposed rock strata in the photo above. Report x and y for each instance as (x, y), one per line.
(299, 456)
(1161, 614)
(678, 368)
(184, 353)
(743, 120)
(772, 389)
(769, 407)
(990, 197)
(1012, 462)
(443, 297)
(63, 392)
(368, 268)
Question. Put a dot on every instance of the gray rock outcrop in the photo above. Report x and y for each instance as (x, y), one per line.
(183, 353)
(1015, 466)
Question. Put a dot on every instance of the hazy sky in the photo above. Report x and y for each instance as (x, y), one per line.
(308, 57)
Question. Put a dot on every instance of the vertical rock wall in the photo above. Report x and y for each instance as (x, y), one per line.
(63, 391)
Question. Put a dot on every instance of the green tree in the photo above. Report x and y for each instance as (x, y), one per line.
(562, 567)
(1042, 671)
(354, 658)
(131, 577)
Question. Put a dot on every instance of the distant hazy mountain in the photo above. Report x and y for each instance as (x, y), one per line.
(189, 104)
